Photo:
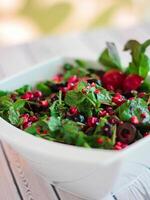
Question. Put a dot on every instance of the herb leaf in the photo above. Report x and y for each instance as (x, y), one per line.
(134, 108)
(110, 57)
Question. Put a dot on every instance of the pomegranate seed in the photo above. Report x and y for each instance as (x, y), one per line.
(120, 145)
(26, 125)
(37, 94)
(33, 118)
(146, 134)
(132, 82)
(131, 98)
(58, 78)
(25, 118)
(113, 121)
(113, 79)
(64, 90)
(44, 103)
(102, 113)
(45, 132)
(141, 94)
(134, 120)
(91, 121)
(70, 86)
(110, 110)
(38, 130)
(73, 110)
(28, 96)
(93, 84)
(97, 91)
(73, 79)
(100, 141)
(118, 99)
(143, 115)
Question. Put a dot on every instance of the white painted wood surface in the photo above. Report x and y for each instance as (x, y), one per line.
(17, 180)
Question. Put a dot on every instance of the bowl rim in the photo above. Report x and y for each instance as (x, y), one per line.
(60, 150)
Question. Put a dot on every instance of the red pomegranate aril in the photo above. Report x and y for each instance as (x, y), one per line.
(27, 96)
(103, 113)
(73, 79)
(91, 121)
(57, 78)
(113, 79)
(100, 140)
(141, 94)
(93, 84)
(44, 103)
(110, 110)
(143, 115)
(25, 118)
(97, 91)
(146, 134)
(73, 110)
(118, 99)
(33, 118)
(26, 125)
(37, 94)
(132, 82)
(134, 120)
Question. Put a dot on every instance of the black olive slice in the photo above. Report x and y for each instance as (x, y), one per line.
(126, 133)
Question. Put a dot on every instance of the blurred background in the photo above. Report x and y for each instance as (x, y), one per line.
(24, 20)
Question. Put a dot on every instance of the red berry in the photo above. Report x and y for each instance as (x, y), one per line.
(113, 79)
(118, 99)
(146, 134)
(132, 82)
(28, 96)
(44, 103)
(73, 110)
(100, 140)
(93, 84)
(134, 120)
(91, 121)
(37, 94)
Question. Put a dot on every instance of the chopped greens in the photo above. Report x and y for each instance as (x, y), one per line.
(87, 107)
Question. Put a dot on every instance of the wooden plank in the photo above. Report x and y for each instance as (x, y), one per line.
(31, 186)
(8, 190)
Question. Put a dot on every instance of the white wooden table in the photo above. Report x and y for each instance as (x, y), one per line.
(17, 180)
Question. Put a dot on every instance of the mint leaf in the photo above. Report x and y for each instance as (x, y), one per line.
(74, 98)
(13, 116)
(43, 88)
(3, 93)
(23, 89)
(140, 63)
(54, 123)
(144, 65)
(134, 108)
(110, 57)
(20, 103)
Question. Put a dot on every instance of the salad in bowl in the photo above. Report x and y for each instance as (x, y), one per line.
(78, 122)
(105, 108)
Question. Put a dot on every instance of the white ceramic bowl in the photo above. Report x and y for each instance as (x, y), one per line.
(89, 173)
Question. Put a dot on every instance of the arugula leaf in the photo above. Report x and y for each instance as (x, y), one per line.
(23, 89)
(104, 97)
(57, 109)
(134, 108)
(110, 57)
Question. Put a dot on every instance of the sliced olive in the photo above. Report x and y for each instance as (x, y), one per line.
(126, 133)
